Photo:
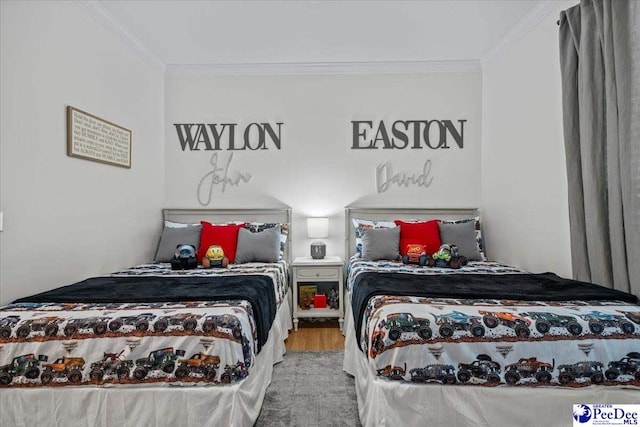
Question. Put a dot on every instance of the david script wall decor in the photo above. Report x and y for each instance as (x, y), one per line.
(387, 177)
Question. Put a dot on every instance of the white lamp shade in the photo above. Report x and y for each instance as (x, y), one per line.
(317, 228)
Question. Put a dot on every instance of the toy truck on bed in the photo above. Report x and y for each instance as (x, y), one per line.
(447, 256)
(416, 254)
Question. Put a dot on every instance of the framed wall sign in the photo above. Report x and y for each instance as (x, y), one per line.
(92, 138)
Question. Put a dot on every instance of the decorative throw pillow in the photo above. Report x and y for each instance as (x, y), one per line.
(263, 246)
(223, 235)
(361, 224)
(422, 233)
(382, 243)
(466, 234)
(172, 237)
(463, 235)
(255, 227)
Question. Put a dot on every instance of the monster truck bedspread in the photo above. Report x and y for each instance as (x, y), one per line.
(492, 325)
(145, 325)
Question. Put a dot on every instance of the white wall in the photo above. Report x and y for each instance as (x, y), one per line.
(315, 171)
(65, 218)
(524, 183)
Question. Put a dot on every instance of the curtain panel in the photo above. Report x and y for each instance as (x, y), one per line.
(600, 69)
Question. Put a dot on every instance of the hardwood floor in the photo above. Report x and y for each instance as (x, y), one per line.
(315, 336)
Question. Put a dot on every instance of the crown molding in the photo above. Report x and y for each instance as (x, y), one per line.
(100, 14)
(533, 18)
(530, 21)
(379, 67)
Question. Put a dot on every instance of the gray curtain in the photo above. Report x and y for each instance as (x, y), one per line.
(600, 68)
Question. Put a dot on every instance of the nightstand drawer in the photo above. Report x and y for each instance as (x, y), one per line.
(317, 273)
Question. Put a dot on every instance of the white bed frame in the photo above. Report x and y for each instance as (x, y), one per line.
(232, 405)
(389, 403)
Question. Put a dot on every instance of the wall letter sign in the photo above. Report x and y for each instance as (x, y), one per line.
(401, 134)
(226, 136)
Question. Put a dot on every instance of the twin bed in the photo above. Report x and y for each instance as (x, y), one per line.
(486, 344)
(150, 345)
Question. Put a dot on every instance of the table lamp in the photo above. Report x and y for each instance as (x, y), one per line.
(318, 228)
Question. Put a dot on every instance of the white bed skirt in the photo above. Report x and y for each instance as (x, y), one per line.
(230, 405)
(389, 403)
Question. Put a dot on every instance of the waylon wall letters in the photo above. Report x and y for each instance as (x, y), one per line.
(223, 136)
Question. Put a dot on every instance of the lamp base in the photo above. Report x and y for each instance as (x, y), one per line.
(318, 250)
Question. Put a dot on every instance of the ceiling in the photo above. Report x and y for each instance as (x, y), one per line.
(249, 33)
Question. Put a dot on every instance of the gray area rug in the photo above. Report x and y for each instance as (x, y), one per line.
(309, 388)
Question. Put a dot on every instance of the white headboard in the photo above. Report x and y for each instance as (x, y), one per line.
(390, 214)
(222, 216)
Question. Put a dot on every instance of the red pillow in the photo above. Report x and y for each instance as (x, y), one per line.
(422, 233)
(223, 235)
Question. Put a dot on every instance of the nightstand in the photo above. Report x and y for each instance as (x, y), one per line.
(317, 276)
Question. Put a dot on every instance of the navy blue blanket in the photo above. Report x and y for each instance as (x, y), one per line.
(258, 290)
(526, 287)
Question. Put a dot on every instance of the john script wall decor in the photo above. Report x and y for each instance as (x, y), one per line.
(92, 138)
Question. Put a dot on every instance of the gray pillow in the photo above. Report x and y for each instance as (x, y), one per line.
(380, 243)
(463, 235)
(172, 237)
(263, 246)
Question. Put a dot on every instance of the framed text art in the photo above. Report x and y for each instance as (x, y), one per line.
(92, 138)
